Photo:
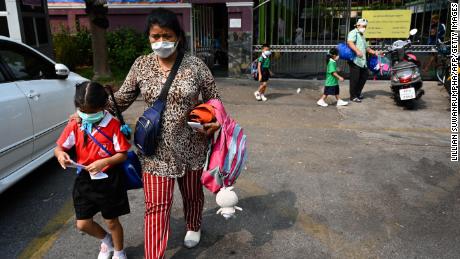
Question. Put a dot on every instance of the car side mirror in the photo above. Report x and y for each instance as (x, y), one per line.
(62, 72)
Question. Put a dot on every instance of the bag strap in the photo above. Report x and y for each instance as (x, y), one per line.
(97, 142)
(171, 76)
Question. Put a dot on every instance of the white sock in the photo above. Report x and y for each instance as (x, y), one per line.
(120, 253)
(108, 240)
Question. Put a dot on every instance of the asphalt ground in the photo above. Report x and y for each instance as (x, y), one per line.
(370, 180)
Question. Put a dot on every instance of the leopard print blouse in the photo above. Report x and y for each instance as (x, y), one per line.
(180, 148)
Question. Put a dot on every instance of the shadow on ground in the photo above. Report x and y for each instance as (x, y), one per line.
(261, 216)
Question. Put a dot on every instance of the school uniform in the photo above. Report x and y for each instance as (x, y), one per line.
(332, 83)
(108, 195)
(265, 67)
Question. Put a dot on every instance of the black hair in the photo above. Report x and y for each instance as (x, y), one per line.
(90, 95)
(166, 19)
(265, 45)
(332, 52)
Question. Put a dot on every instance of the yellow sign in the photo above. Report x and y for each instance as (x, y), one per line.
(387, 23)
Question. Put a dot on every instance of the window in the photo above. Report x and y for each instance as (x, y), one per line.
(29, 31)
(42, 30)
(2, 6)
(4, 27)
(25, 64)
(35, 30)
(2, 77)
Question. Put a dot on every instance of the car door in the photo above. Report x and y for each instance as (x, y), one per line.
(16, 130)
(50, 99)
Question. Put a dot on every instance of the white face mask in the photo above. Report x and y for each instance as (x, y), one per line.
(267, 53)
(362, 30)
(164, 49)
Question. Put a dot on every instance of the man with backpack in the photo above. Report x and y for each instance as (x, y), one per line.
(358, 67)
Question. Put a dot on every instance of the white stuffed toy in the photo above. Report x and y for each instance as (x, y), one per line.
(226, 198)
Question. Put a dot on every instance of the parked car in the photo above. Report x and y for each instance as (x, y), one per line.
(36, 99)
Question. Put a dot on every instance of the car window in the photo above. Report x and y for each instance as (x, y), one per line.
(2, 78)
(24, 64)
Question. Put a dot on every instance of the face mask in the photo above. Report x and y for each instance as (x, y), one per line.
(362, 30)
(164, 49)
(336, 58)
(267, 53)
(89, 118)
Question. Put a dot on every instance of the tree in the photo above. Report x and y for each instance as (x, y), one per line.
(97, 13)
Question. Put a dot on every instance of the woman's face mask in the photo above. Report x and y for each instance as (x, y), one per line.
(164, 49)
(362, 29)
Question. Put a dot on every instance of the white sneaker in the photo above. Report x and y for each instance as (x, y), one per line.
(105, 252)
(341, 102)
(257, 95)
(322, 103)
(263, 97)
(120, 256)
(192, 238)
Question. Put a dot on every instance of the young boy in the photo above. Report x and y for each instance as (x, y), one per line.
(264, 72)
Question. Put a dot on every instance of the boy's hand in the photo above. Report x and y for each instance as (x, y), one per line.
(63, 159)
(97, 166)
(271, 73)
(341, 79)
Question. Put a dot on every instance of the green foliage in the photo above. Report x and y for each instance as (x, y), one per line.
(125, 45)
(75, 50)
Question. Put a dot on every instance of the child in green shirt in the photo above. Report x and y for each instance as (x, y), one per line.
(332, 80)
(264, 72)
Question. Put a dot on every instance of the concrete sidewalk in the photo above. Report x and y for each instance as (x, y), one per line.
(369, 180)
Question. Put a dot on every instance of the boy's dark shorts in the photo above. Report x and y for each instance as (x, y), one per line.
(107, 196)
(265, 75)
(332, 90)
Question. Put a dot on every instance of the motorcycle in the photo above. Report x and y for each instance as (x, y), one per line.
(406, 81)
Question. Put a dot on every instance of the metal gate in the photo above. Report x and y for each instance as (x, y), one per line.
(302, 31)
(203, 33)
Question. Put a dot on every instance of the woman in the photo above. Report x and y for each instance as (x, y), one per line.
(181, 151)
(358, 67)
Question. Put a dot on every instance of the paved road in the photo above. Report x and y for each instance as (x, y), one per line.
(370, 180)
(29, 210)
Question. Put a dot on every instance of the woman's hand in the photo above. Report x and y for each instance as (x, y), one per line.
(75, 117)
(97, 166)
(210, 128)
(359, 53)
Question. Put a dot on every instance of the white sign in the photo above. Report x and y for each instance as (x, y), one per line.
(235, 23)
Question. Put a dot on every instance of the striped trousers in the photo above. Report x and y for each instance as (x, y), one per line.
(158, 193)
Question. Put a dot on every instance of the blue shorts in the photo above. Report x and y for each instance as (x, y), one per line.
(332, 90)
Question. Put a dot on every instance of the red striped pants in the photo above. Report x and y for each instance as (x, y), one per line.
(158, 193)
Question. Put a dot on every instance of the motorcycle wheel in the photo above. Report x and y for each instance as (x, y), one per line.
(447, 86)
(441, 73)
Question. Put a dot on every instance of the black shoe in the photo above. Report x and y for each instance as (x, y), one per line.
(361, 97)
(356, 100)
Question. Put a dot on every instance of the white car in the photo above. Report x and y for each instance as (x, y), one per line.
(36, 99)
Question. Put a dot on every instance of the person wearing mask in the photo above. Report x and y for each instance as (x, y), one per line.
(358, 67)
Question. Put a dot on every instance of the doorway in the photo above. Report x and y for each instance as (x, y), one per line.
(210, 36)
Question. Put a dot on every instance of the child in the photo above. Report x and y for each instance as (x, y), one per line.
(106, 195)
(264, 72)
(332, 80)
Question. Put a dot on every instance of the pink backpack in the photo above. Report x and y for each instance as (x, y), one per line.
(227, 151)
